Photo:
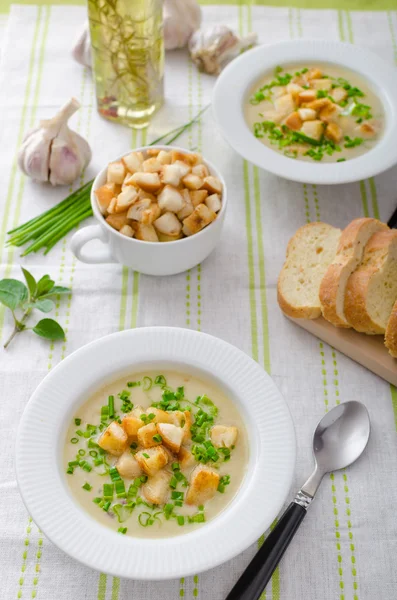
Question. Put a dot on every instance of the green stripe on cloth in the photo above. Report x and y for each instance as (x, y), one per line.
(102, 586)
(251, 274)
(364, 198)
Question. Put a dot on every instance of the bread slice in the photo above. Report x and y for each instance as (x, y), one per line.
(371, 290)
(309, 253)
(348, 256)
(391, 332)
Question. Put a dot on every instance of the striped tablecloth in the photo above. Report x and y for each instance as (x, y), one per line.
(347, 547)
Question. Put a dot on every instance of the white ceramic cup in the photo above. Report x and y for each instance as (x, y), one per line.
(150, 258)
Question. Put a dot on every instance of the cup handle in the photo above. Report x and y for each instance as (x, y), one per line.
(85, 235)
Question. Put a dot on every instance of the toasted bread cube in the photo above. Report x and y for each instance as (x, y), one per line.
(160, 416)
(200, 170)
(184, 168)
(333, 132)
(153, 151)
(112, 206)
(314, 73)
(192, 182)
(146, 195)
(131, 423)
(284, 105)
(127, 231)
(145, 436)
(169, 238)
(313, 129)
(133, 161)
(117, 221)
(273, 115)
(172, 436)
(307, 114)
(278, 91)
(366, 130)
(212, 184)
(188, 207)
(339, 94)
(150, 214)
(170, 199)
(152, 165)
(203, 485)
(198, 197)
(200, 218)
(185, 458)
(321, 84)
(169, 224)
(293, 121)
(320, 103)
(223, 437)
(136, 210)
(156, 490)
(116, 172)
(149, 182)
(189, 158)
(183, 419)
(294, 88)
(126, 199)
(104, 195)
(146, 233)
(152, 460)
(164, 157)
(114, 439)
(214, 203)
(171, 175)
(128, 466)
(306, 96)
(330, 114)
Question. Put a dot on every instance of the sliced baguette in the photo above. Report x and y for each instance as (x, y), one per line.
(348, 257)
(371, 290)
(391, 332)
(309, 253)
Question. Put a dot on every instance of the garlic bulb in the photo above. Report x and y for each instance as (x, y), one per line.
(181, 19)
(82, 48)
(212, 48)
(53, 152)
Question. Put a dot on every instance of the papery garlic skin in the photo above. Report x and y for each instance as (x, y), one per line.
(211, 48)
(54, 153)
(81, 51)
(181, 19)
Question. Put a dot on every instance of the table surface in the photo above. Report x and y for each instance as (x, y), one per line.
(347, 547)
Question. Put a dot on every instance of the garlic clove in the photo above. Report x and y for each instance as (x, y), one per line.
(81, 50)
(181, 18)
(33, 157)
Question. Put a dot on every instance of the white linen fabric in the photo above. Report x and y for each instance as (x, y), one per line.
(347, 546)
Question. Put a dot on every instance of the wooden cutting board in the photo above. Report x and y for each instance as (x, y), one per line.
(368, 350)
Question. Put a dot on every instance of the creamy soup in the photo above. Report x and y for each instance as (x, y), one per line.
(315, 113)
(156, 454)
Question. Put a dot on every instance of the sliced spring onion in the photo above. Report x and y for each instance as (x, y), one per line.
(157, 438)
(147, 383)
(81, 452)
(87, 487)
(111, 407)
(106, 506)
(108, 489)
(160, 380)
(93, 453)
(180, 519)
(133, 383)
(77, 422)
(122, 530)
(114, 474)
(120, 488)
(177, 495)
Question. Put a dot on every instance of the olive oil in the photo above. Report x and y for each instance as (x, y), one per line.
(128, 58)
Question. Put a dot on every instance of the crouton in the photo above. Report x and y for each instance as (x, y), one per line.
(132, 422)
(192, 182)
(313, 129)
(153, 151)
(339, 94)
(133, 161)
(330, 114)
(152, 165)
(127, 231)
(150, 214)
(200, 218)
(128, 466)
(142, 195)
(169, 224)
(198, 197)
(152, 460)
(293, 121)
(306, 96)
(314, 73)
(156, 490)
(117, 221)
(147, 233)
(170, 199)
(116, 172)
(294, 88)
(172, 436)
(214, 203)
(333, 132)
(185, 458)
(278, 91)
(112, 206)
(169, 238)
(366, 130)
(188, 207)
(321, 84)
(114, 439)
(200, 170)
(104, 195)
(273, 115)
(203, 485)
(146, 435)
(319, 103)
(188, 158)
(160, 416)
(126, 199)
(307, 114)
(212, 185)
(184, 168)
(171, 175)
(149, 182)
(183, 419)
(136, 210)
(285, 104)
(223, 437)
(164, 157)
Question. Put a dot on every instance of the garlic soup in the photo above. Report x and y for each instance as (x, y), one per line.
(315, 113)
(156, 454)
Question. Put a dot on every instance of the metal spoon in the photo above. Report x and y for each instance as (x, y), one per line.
(339, 439)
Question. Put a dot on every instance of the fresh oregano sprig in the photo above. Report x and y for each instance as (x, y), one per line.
(22, 299)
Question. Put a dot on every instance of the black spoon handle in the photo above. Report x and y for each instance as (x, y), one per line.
(255, 577)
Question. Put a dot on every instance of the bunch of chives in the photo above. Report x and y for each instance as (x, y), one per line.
(44, 231)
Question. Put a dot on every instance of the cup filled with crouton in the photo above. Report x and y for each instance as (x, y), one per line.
(160, 211)
(168, 454)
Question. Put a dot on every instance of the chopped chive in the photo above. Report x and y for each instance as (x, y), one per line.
(178, 503)
(157, 438)
(147, 383)
(160, 380)
(70, 470)
(87, 487)
(146, 455)
(133, 383)
(122, 530)
(81, 452)
(175, 466)
(181, 520)
(92, 444)
(106, 506)
(173, 482)
(177, 495)
(114, 474)
(168, 508)
(120, 488)
(93, 453)
(134, 445)
(73, 463)
(85, 465)
(97, 500)
(108, 489)
(77, 422)
(111, 407)
(80, 433)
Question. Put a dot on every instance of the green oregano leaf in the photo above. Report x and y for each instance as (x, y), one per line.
(43, 304)
(55, 290)
(13, 293)
(31, 282)
(49, 329)
(44, 285)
